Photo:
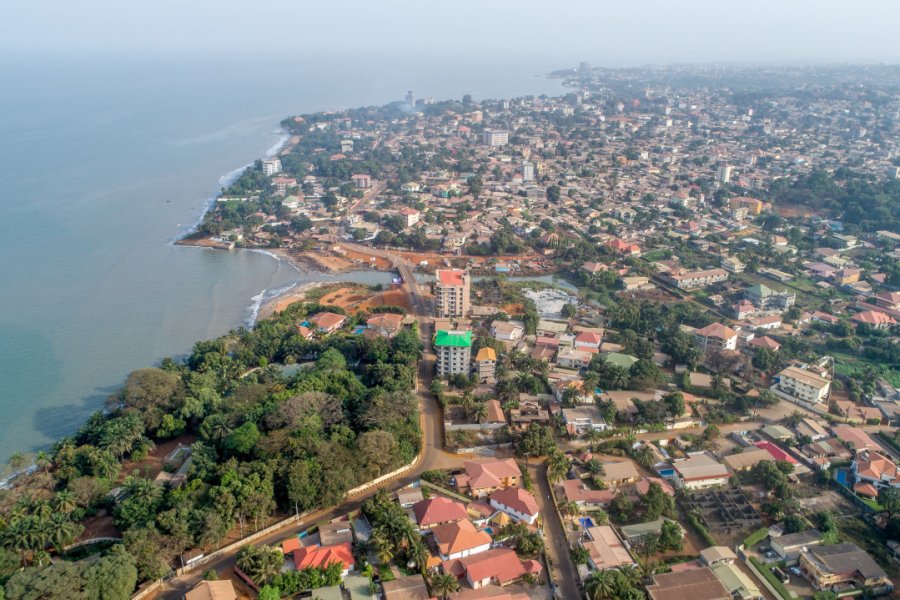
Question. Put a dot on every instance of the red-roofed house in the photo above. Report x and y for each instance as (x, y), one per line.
(499, 566)
(623, 247)
(854, 438)
(587, 339)
(576, 491)
(460, 539)
(322, 556)
(878, 320)
(328, 322)
(875, 469)
(777, 453)
(517, 503)
(488, 475)
(764, 342)
(437, 511)
(715, 337)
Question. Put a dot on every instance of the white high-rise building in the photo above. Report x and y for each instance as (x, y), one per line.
(452, 291)
(723, 175)
(271, 166)
(527, 171)
(495, 137)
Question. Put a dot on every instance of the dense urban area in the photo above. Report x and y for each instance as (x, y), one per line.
(642, 343)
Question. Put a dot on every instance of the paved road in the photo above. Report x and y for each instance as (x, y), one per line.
(432, 456)
(564, 573)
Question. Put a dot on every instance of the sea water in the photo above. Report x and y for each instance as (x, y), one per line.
(104, 163)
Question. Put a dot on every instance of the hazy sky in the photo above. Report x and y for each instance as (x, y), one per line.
(601, 31)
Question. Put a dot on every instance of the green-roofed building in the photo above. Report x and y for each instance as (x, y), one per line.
(618, 359)
(453, 338)
(736, 582)
(454, 352)
(765, 298)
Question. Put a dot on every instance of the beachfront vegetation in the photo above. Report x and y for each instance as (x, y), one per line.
(261, 443)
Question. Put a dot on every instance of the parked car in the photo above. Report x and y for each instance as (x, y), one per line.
(796, 571)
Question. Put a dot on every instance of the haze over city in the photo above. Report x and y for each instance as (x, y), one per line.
(608, 33)
(417, 300)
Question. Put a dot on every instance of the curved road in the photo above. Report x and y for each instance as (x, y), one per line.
(432, 455)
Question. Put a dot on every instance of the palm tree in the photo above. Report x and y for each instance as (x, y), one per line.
(384, 551)
(62, 531)
(644, 456)
(260, 563)
(467, 402)
(418, 554)
(42, 460)
(479, 412)
(443, 584)
(601, 585)
(595, 468)
(557, 466)
(65, 502)
(593, 436)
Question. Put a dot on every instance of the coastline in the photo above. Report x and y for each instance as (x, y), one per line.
(286, 298)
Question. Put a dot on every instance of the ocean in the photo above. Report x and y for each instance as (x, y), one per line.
(105, 163)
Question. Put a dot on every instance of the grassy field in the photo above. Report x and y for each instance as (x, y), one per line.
(846, 364)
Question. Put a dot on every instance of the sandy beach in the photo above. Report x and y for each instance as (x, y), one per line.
(281, 302)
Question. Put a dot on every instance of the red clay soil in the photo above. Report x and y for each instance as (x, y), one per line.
(100, 525)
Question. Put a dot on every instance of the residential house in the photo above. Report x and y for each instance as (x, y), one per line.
(586, 498)
(717, 554)
(517, 503)
(571, 357)
(877, 320)
(698, 471)
(637, 533)
(872, 472)
(745, 460)
(835, 566)
(499, 566)
(589, 340)
(322, 556)
(507, 331)
(789, 545)
(856, 439)
(408, 496)
(328, 322)
(605, 549)
(802, 385)
(715, 337)
(212, 590)
(811, 429)
(692, 584)
(582, 419)
(687, 280)
(408, 587)
(437, 511)
(385, 324)
(741, 586)
(460, 539)
(487, 475)
(765, 298)
(620, 472)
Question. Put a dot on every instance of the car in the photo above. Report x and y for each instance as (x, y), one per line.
(770, 554)
(796, 571)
